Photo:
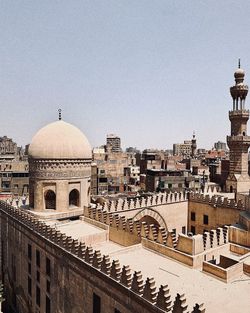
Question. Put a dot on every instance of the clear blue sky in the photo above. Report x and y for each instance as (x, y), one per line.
(148, 71)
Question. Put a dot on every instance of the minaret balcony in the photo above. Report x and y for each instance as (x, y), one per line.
(239, 113)
(239, 140)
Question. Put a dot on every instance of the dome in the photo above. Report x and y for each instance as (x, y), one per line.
(60, 140)
(239, 73)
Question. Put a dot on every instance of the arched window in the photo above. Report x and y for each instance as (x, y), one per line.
(50, 200)
(74, 198)
(231, 188)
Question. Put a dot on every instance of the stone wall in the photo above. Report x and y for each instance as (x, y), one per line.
(220, 211)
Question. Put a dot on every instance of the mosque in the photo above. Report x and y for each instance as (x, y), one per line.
(174, 252)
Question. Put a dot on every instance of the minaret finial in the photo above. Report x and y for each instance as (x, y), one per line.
(59, 114)
(239, 63)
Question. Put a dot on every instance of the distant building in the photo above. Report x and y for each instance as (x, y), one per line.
(9, 150)
(113, 143)
(162, 180)
(220, 145)
(14, 169)
(14, 178)
(183, 148)
(132, 150)
(111, 177)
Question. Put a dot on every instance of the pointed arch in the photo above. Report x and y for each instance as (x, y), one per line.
(74, 198)
(154, 215)
(50, 200)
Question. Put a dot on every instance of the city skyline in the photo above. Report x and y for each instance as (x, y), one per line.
(152, 73)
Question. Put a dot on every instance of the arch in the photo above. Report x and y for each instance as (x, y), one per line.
(150, 215)
(149, 220)
(50, 200)
(74, 197)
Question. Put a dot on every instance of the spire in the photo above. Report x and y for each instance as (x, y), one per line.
(238, 63)
(59, 114)
(193, 134)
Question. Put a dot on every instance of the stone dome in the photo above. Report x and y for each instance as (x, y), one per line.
(60, 140)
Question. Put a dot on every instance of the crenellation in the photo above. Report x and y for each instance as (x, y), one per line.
(213, 238)
(149, 290)
(81, 250)
(152, 234)
(219, 233)
(226, 233)
(144, 230)
(137, 283)
(75, 247)
(180, 305)
(162, 235)
(97, 259)
(122, 223)
(89, 254)
(163, 301)
(206, 240)
(115, 270)
(126, 276)
(199, 308)
(106, 264)
(136, 228)
(129, 225)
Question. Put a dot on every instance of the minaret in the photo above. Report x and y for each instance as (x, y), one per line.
(193, 146)
(238, 179)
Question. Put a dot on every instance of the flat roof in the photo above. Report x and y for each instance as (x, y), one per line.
(197, 286)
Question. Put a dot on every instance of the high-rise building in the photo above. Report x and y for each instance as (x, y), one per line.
(238, 142)
(114, 143)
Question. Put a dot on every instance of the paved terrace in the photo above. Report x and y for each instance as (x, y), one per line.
(196, 285)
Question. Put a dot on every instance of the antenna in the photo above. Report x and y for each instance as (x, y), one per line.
(59, 114)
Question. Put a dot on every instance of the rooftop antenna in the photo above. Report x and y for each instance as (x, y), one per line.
(239, 63)
(59, 114)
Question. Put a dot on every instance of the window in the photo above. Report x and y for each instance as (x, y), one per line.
(117, 311)
(37, 258)
(205, 219)
(29, 286)
(48, 286)
(38, 276)
(47, 304)
(184, 229)
(47, 266)
(96, 303)
(29, 268)
(29, 252)
(38, 299)
(192, 216)
(193, 230)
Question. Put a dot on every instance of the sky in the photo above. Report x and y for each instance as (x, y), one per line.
(151, 72)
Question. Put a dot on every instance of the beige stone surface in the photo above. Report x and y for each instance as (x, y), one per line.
(60, 140)
(197, 286)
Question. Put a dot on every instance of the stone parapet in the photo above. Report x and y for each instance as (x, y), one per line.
(217, 201)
